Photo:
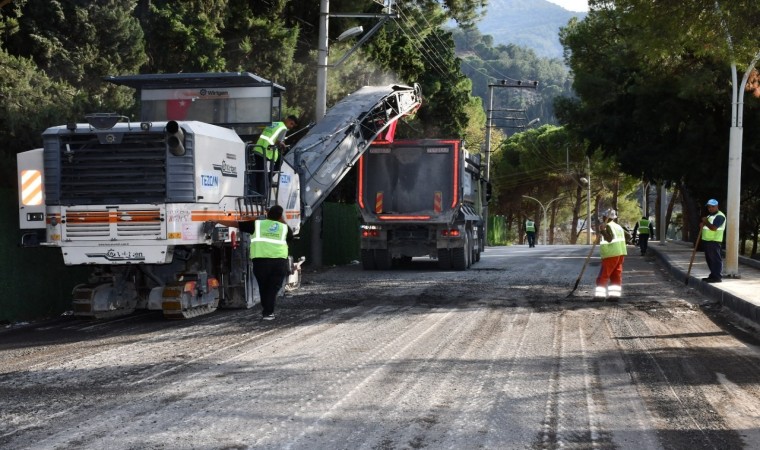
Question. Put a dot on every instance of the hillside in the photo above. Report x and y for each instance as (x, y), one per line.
(529, 23)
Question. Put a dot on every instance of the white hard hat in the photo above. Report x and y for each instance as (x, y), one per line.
(610, 214)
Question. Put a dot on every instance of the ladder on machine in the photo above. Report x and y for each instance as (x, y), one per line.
(255, 203)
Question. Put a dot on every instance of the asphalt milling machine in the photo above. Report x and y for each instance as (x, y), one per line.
(138, 201)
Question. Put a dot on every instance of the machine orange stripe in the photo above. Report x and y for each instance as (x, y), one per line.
(112, 216)
(202, 216)
(378, 202)
(152, 216)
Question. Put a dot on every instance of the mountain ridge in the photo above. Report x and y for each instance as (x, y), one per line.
(533, 24)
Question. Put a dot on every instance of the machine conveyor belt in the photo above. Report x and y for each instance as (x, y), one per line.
(328, 151)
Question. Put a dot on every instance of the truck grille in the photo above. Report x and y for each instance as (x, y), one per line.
(113, 224)
(132, 171)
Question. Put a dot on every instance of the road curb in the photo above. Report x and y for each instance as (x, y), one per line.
(733, 302)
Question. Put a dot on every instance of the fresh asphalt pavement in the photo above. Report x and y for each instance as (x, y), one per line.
(740, 294)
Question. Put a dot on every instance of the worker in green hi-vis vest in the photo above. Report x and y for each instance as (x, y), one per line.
(530, 232)
(267, 153)
(645, 229)
(269, 254)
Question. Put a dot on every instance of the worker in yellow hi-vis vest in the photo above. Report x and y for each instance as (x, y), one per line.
(612, 250)
(713, 225)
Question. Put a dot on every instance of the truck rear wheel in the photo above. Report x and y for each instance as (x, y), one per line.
(468, 248)
(444, 258)
(383, 259)
(402, 261)
(368, 260)
(475, 253)
(460, 256)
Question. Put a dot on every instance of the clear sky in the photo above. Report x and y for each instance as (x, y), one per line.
(572, 5)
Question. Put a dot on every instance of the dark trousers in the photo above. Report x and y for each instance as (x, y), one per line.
(260, 175)
(714, 258)
(270, 274)
(643, 242)
(531, 238)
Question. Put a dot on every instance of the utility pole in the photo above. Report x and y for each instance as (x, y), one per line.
(662, 225)
(320, 110)
(489, 124)
(588, 202)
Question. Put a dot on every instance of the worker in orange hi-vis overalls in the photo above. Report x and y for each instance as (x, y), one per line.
(612, 250)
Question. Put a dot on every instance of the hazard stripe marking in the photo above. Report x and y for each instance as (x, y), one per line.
(31, 187)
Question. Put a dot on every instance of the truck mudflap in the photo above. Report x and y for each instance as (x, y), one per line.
(469, 214)
(329, 150)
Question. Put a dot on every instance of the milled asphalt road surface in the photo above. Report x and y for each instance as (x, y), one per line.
(495, 357)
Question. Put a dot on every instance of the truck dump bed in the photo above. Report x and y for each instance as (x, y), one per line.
(420, 198)
(415, 181)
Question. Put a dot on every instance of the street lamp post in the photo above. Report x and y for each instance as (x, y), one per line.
(321, 101)
(588, 201)
(735, 137)
(587, 181)
(731, 268)
(322, 52)
(544, 211)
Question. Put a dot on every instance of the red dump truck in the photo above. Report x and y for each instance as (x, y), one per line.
(421, 197)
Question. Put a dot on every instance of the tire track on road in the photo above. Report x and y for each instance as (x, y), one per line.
(682, 412)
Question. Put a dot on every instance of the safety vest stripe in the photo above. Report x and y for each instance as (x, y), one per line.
(271, 241)
(268, 139)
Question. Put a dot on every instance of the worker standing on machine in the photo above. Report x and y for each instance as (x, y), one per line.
(269, 149)
(272, 140)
